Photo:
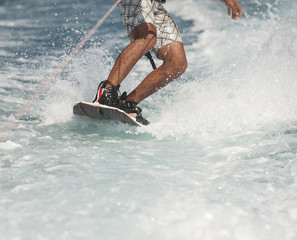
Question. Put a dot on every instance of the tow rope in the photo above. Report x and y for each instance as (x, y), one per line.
(13, 119)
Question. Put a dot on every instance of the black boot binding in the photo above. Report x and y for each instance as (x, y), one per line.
(131, 107)
(107, 96)
(110, 97)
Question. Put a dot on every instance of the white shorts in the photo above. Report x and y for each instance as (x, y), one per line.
(136, 12)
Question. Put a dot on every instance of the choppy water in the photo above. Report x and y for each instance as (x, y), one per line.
(219, 160)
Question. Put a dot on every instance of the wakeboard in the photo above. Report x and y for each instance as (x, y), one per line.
(103, 112)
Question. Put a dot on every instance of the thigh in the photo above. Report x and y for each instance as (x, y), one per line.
(167, 30)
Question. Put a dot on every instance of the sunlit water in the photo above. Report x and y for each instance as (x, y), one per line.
(218, 161)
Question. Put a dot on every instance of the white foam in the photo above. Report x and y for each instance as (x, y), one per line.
(9, 146)
(83, 76)
(15, 23)
(251, 84)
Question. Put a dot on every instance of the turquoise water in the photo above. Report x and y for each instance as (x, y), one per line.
(218, 161)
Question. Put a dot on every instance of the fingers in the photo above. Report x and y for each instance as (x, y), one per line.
(235, 7)
(239, 8)
(236, 12)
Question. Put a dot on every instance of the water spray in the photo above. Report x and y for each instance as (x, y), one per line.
(8, 126)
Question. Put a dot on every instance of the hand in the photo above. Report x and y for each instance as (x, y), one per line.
(235, 6)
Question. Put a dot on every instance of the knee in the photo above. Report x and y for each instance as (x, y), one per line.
(145, 34)
(151, 40)
(182, 66)
(179, 66)
(174, 57)
(145, 44)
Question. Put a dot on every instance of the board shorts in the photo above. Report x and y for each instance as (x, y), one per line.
(136, 12)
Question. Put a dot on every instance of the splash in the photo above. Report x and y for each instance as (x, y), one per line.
(77, 83)
(257, 94)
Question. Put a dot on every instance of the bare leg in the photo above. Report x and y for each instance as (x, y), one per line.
(174, 65)
(144, 37)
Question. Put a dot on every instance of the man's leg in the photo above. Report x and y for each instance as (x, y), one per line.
(174, 65)
(144, 37)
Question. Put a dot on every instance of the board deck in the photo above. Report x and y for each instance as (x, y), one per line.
(102, 112)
